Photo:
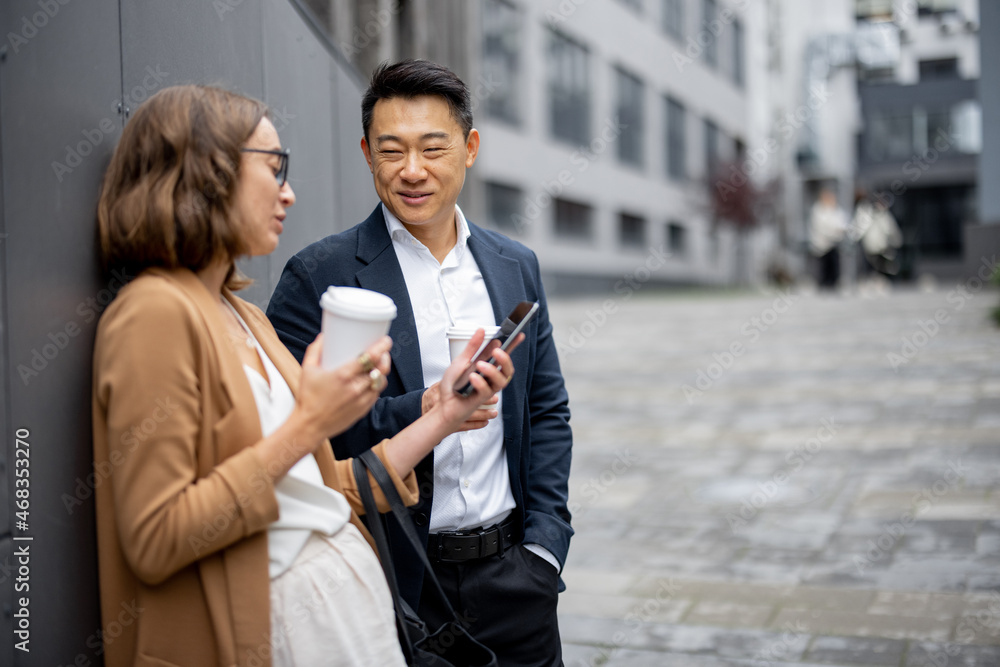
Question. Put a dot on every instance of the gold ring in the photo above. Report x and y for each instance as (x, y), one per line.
(366, 362)
(376, 377)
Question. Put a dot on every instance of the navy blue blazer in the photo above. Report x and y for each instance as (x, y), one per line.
(537, 434)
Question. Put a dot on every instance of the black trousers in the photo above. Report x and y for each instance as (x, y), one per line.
(509, 604)
(829, 269)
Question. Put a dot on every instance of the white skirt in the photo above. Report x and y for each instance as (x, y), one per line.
(333, 607)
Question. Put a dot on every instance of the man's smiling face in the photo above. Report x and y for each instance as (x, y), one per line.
(418, 156)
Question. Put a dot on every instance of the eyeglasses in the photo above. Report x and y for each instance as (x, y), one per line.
(282, 174)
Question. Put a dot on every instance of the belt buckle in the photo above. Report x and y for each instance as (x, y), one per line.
(482, 542)
(442, 537)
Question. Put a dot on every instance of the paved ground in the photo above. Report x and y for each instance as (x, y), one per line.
(798, 479)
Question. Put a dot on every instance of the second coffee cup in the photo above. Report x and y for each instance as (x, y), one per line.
(459, 337)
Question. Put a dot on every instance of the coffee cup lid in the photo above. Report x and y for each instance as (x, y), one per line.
(357, 303)
(467, 332)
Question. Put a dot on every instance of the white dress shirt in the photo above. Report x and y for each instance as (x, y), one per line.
(305, 503)
(471, 478)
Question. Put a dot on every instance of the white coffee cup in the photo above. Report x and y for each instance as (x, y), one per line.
(353, 319)
(459, 337)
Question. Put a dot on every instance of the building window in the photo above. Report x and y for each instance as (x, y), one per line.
(569, 89)
(711, 148)
(676, 140)
(932, 7)
(632, 230)
(630, 119)
(739, 74)
(889, 136)
(966, 125)
(502, 59)
(873, 10)
(505, 207)
(673, 18)
(710, 11)
(945, 68)
(676, 239)
(573, 220)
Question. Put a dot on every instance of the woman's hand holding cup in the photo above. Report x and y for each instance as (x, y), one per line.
(335, 399)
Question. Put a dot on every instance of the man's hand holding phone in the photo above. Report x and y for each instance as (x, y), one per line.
(506, 339)
(494, 353)
(486, 378)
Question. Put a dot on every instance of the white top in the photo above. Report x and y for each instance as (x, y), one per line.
(305, 504)
(471, 480)
(827, 227)
(877, 229)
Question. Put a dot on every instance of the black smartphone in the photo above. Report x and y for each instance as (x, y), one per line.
(513, 325)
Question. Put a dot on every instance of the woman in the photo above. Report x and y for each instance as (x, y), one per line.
(877, 230)
(225, 528)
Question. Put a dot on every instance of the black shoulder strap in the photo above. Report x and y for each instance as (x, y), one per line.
(377, 530)
(402, 515)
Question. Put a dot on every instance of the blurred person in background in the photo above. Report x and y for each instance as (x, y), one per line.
(827, 228)
(875, 228)
(224, 517)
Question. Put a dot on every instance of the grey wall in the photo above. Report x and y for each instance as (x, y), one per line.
(59, 90)
(982, 238)
(989, 98)
(61, 82)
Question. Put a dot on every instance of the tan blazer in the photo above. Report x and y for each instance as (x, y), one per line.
(182, 503)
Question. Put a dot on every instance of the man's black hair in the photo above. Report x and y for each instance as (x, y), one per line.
(412, 78)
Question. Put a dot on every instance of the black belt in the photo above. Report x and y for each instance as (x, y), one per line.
(471, 544)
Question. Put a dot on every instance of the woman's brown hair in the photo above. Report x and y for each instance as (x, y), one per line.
(168, 194)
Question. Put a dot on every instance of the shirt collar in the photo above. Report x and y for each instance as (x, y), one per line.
(399, 233)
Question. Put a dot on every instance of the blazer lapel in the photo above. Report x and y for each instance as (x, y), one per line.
(505, 285)
(233, 393)
(287, 365)
(501, 274)
(382, 273)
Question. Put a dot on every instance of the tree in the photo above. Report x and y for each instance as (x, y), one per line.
(737, 202)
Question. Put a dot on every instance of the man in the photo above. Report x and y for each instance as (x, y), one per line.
(492, 498)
